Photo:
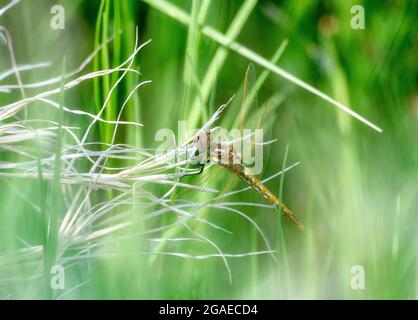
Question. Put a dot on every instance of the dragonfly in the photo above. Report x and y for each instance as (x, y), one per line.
(207, 149)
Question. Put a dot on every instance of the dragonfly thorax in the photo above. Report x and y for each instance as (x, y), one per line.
(208, 147)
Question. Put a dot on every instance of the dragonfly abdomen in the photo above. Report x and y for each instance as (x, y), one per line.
(258, 186)
(289, 215)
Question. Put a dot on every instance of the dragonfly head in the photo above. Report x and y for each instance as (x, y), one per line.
(200, 149)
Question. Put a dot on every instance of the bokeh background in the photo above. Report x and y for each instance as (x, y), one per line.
(355, 189)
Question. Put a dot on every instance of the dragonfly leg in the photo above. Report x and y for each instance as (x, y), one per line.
(202, 166)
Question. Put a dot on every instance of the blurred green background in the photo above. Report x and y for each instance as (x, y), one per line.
(355, 189)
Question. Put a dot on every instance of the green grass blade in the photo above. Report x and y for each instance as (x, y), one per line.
(178, 14)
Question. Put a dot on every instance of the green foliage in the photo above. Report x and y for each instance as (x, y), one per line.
(355, 188)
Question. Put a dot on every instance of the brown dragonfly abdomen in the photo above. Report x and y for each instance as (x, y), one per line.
(245, 175)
